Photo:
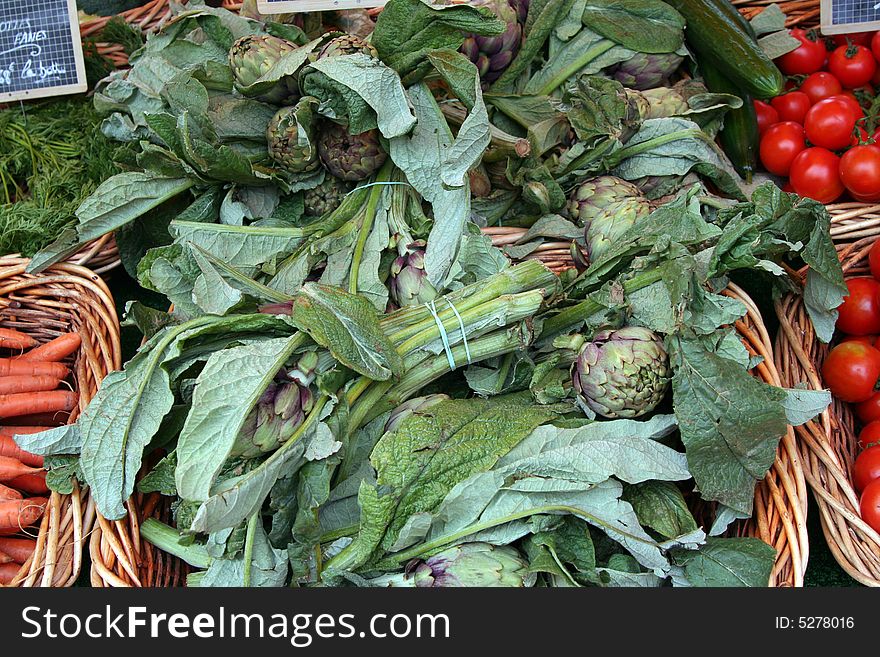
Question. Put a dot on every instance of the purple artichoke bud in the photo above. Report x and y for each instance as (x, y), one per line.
(252, 56)
(350, 157)
(493, 54)
(305, 369)
(521, 7)
(276, 416)
(409, 280)
(347, 44)
(411, 406)
(622, 373)
(466, 565)
(646, 70)
(607, 207)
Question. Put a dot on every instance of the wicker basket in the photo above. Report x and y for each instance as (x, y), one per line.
(829, 444)
(65, 297)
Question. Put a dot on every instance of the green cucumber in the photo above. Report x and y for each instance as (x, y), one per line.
(739, 136)
(718, 38)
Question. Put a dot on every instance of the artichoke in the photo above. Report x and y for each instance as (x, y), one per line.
(347, 44)
(411, 406)
(409, 281)
(646, 70)
(350, 157)
(493, 54)
(607, 207)
(465, 565)
(291, 137)
(252, 56)
(521, 7)
(622, 373)
(664, 102)
(279, 411)
(326, 197)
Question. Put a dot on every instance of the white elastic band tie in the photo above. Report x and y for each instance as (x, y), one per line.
(443, 337)
(467, 350)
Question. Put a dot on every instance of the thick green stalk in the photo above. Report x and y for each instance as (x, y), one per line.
(626, 152)
(498, 343)
(411, 320)
(167, 539)
(367, 225)
(574, 315)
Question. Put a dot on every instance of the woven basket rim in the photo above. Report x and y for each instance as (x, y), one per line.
(74, 294)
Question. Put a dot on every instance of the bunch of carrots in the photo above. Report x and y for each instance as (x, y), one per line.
(33, 398)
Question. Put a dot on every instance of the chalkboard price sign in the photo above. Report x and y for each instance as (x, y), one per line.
(295, 6)
(40, 49)
(841, 16)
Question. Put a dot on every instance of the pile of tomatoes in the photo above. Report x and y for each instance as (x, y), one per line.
(818, 133)
(852, 373)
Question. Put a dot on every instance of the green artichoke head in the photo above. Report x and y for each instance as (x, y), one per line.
(350, 157)
(607, 207)
(347, 44)
(291, 137)
(252, 56)
(326, 197)
(621, 373)
(664, 102)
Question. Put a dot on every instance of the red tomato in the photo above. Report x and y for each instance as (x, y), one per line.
(860, 173)
(869, 435)
(767, 115)
(858, 38)
(867, 467)
(780, 145)
(875, 45)
(792, 106)
(820, 85)
(851, 371)
(874, 260)
(868, 340)
(869, 505)
(859, 314)
(852, 102)
(853, 65)
(814, 173)
(830, 123)
(869, 410)
(787, 187)
(808, 57)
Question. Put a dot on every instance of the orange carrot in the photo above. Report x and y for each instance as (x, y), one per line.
(11, 339)
(54, 350)
(17, 366)
(8, 447)
(20, 549)
(25, 403)
(7, 493)
(5, 558)
(24, 383)
(35, 483)
(18, 514)
(11, 468)
(8, 571)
